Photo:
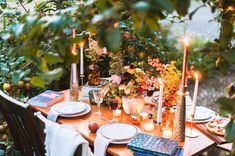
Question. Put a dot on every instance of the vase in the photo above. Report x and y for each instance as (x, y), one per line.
(133, 104)
(94, 74)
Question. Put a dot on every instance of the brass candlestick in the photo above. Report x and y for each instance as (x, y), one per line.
(82, 77)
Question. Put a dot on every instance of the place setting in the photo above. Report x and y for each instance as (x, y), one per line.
(68, 109)
(114, 133)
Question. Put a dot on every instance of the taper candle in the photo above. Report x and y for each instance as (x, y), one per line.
(81, 60)
(159, 110)
(74, 48)
(185, 61)
(194, 103)
(74, 73)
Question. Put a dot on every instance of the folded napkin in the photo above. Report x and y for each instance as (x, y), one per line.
(63, 140)
(52, 115)
(100, 145)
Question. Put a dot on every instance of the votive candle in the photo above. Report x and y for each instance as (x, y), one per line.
(167, 133)
(117, 112)
(149, 127)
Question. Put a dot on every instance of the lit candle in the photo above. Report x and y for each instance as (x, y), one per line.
(74, 73)
(159, 110)
(149, 127)
(74, 50)
(117, 112)
(144, 115)
(167, 133)
(81, 60)
(194, 103)
(185, 60)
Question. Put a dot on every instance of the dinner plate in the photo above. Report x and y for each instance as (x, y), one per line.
(113, 141)
(201, 113)
(87, 110)
(69, 107)
(118, 131)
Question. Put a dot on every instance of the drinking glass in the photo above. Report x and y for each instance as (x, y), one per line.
(113, 103)
(98, 97)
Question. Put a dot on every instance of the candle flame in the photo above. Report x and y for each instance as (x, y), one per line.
(160, 81)
(81, 44)
(74, 50)
(197, 75)
(186, 41)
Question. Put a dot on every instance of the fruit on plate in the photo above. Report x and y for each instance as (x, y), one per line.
(217, 126)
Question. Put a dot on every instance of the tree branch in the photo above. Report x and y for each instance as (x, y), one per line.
(23, 6)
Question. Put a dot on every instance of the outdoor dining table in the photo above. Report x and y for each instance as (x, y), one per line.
(191, 146)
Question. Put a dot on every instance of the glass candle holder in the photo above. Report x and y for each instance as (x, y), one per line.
(74, 87)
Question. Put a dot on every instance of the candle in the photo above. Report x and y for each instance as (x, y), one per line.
(81, 60)
(159, 111)
(74, 33)
(74, 73)
(74, 50)
(117, 112)
(195, 95)
(144, 115)
(149, 127)
(167, 133)
(185, 60)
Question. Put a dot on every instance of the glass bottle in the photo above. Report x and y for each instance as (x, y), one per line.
(94, 74)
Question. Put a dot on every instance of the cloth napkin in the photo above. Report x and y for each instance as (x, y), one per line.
(52, 115)
(100, 145)
(63, 140)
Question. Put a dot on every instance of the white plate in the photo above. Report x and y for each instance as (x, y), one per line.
(69, 107)
(124, 141)
(203, 121)
(87, 110)
(118, 131)
(202, 113)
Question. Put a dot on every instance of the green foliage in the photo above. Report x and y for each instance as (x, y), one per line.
(227, 107)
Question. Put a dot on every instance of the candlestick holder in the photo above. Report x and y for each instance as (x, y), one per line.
(191, 133)
(82, 77)
(74, 86)
(179, 126)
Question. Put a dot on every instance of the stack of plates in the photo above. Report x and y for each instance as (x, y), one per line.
(118, 133)
(202, 114)
(71, 109)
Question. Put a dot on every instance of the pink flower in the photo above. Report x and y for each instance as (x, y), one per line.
(116, 79)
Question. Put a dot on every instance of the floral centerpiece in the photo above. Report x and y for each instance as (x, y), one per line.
(171, 77)
(135, 81)
(130, 86)
(94, 52)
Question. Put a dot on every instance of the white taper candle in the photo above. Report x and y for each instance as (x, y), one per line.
(159, 111)
(194, 103)
(81, 60)
(74, 73)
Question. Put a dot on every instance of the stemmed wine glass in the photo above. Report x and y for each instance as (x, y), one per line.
(113, 103)
(98, 97)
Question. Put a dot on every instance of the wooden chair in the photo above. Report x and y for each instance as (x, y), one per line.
(22, 125)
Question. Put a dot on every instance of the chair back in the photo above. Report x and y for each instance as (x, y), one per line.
(22, 125)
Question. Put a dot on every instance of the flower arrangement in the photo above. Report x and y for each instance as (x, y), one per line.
(130, 83)
(171, 77)
(94, 52)
(135, 80)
